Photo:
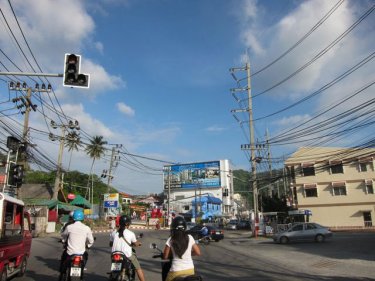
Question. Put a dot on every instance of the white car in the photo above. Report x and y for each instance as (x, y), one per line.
(303, 232)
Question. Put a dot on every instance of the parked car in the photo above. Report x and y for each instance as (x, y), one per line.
(232, 225)
(303, 232)
(190, 225)
(216, 233)
(243, 224)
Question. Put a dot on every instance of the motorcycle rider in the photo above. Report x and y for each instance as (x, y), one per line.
(204, 230)
(122, 240)
(77, 237)
(180, 247)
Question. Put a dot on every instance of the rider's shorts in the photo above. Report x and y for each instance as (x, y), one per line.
(135, 262)
(173, 274)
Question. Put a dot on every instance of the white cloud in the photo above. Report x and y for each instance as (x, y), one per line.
(127, 110)
(292, 120)
(215, 128)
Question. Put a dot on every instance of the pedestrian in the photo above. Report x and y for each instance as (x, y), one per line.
(180, 246)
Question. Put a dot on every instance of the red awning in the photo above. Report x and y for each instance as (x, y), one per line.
(309, 185)
(338, 183)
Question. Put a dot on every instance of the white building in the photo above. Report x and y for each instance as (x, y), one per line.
(185, 182)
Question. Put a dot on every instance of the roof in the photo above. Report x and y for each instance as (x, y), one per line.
(324, 154)
(208, 199)
(80, 201)
(67, 207)
(50, 203)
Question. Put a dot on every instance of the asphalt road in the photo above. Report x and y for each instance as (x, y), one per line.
(348, 256)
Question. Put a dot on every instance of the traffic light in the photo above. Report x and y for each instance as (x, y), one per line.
(72, 76)
(15, 175)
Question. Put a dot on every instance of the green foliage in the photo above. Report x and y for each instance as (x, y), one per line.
(74, 182)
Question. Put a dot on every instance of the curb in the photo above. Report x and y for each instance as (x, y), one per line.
(131, 227)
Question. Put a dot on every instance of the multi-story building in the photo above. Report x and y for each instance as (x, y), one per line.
(199, 182)
(334, 185)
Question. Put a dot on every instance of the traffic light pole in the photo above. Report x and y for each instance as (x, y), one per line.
(31, 74)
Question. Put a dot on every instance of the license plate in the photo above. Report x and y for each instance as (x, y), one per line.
(75, 271)
(115, 266)
(217, 232)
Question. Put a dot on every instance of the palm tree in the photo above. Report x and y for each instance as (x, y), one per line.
(73, 142)
(95, 149)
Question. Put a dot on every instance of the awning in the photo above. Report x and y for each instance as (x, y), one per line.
(80, 201)
(67, 207)
(369, 182)
(309, 185)
(307, 164)
(50, 203)
(365, 159)
(338, 183)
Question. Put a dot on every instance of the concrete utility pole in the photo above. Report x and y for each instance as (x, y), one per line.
(269, 163)
(62, 138)
(251, 145)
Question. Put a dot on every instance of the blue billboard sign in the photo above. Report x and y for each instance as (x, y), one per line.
(194, 175)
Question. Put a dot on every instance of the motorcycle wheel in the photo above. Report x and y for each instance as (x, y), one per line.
(206, 241)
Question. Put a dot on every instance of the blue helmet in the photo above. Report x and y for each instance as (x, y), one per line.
(78, 215)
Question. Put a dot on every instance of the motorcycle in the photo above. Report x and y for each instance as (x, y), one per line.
(204, 240)
(122, 269)
(166, 266)
(74, 266)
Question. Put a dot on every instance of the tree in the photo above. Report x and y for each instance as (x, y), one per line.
(95, 149)
(73, 142)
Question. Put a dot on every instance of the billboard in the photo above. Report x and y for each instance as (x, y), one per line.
(111, 200)
(193, 175)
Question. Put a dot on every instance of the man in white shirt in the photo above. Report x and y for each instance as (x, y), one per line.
(122, 240)
(77, 237)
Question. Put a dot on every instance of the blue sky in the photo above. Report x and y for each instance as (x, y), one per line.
(160, 81)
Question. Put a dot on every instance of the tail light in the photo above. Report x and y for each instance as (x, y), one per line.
(77, 260)
(117, 257)
(212, 232)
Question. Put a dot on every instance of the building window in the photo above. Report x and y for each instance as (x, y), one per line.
(308, 171)
(336, 167)
(365, 164)
(339, 190)
(363, 167)
(311, 190)
(369, 187)
(186, 207)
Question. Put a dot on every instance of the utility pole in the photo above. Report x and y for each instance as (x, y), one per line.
(71, 125)
(251, 145)
(269, 163)
(25, 102)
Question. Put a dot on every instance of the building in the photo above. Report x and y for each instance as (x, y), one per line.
(184, 183)
(334, 186)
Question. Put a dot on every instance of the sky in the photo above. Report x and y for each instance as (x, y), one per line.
(160, 80)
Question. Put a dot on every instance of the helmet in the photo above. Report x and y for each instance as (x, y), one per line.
(178, 223)
(125, 220)
(78, 215)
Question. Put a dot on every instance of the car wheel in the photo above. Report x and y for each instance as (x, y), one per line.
(22, 267)
(284, 240)
(319, 238)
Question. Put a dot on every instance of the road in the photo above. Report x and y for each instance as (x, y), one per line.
(348, 256)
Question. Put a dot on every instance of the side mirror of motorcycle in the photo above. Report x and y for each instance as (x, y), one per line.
(153, 246)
